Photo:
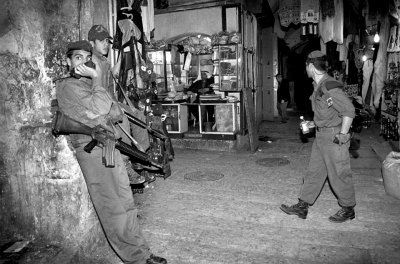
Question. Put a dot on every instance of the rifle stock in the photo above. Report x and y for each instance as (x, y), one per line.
(64, 125)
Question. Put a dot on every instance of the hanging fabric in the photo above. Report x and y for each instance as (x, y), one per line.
(351, 23)
(338, 22)
(326, 29)
(380, 67)
(392, 39)
(136, 74)
(354, 63)
(277, 27)
(187, 62)
(367, 71)
(289, 12)
(128, 29)
(397, 42)
(327, 8)
(130, 9)
(331, 28)
(148, 18)
(323, 46)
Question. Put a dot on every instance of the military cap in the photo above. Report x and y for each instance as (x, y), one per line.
(316, 54)
(98, 32)
(79, 45)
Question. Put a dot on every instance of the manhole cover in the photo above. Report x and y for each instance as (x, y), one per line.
(272, 162)
(204, 176)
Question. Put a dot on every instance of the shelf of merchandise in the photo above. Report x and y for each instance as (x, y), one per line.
(228, 67)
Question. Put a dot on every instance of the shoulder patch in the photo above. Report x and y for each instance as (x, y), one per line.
(331, 84)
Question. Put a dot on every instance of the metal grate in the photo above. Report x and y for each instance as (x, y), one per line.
(272, 162)
(203, 176)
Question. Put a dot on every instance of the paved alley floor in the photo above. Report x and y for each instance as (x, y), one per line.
(237, 219)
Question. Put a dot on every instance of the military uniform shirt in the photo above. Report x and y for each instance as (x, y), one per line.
(330, 103)
(85, 101)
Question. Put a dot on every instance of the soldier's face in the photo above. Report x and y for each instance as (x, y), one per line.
(101, 46)
(78, 57)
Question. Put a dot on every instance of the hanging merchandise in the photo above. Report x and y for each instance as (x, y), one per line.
(392, 39)
(148, 18)
(289, 12)
(327, 8)
(188, 60)
(137, 85)
(277, 27)
(380, 66)
(197, 44)
(331, 28)
(130, 9)
(367, 71)
(309, 13)
(136, 75)
(128, 29)
(397, 42)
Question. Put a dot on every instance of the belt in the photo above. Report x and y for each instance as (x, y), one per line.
(328, 129)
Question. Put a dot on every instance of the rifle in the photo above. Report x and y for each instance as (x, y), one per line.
(64, 125)
(128, 113)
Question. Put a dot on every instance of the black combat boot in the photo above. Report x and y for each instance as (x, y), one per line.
(156, 260)
(300, 209)
(344, 214)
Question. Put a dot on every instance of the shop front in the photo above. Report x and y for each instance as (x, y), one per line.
(206, 59)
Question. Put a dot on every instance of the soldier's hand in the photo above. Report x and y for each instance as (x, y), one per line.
(341, 139)
(84, 70)
(116, 113)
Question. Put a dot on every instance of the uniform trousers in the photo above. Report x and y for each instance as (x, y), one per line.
(282, 106)
(330, 160)
(111, 194)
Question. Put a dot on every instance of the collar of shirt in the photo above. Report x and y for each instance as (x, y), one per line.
(317, 86)
(86, 80)
(99, 56)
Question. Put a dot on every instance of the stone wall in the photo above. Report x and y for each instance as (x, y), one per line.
(42, 191)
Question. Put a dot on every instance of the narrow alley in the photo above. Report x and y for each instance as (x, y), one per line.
(190, 99)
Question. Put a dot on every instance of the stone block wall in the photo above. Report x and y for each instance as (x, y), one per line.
(42, 191)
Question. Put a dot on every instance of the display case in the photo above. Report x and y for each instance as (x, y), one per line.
(170, 72)
(227, 67)
(177, 117)
(225, 118)
(161, 60)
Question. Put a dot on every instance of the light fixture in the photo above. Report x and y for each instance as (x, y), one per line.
(376, 38)
(364, 58)
(373, 32)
